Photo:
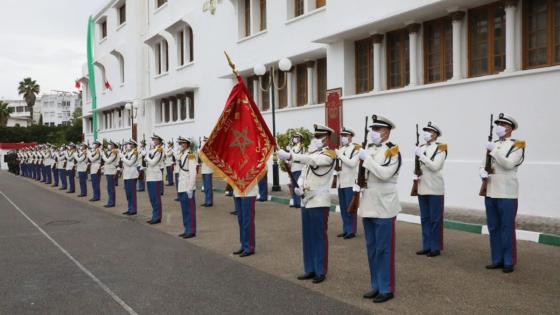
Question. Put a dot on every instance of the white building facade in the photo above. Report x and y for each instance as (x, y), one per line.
(452, 62)
(58, 108)
(20, 114)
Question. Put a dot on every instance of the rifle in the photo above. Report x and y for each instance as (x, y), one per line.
(488, 162)
(355, 202)
(292, 179)
(337, 168)
(417, 170)
(198, 157)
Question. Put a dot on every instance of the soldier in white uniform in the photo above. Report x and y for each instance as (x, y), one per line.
(82, 161)
(142, 166)
(431, 190)
(71, 168)
(47, 164)
(169, 162)
(94, 158)
(379, 207)
(245, 208)
(347, 156)
(186, 164)
(110, 163)
(154, 178)
(502, 192)
(130, 160)
(313, 186)
(54, 157)
(61, 166)
(207, 184)
(297, 147)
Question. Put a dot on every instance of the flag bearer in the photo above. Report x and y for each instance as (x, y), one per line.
(110, 163)
(94, 158)
(502, 193)
(187, 163)
(431, 190)
(348, 157)
(207, 184)
(82, 164)
(245, 208)
(62, 167)
(70, 168)
(379, 207)
(313, 186)
(130, 161)
(296, 166)
(154, 178)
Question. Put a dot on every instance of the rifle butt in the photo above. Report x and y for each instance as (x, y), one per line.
(354, 203)
(414, 190)
(483, 187)
(334, 183)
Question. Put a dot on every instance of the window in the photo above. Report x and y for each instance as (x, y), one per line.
(249, 85)
(541, 33)
(265, 95)
(321, 80)
(121, 69)
(103, 27)
(157, 51)
(247, 17)
(398, 63)
(174, 103)
(282, 93)
(183, 107)
(298, 7)
(190, 99)
(320, 3)
(438, 50)
(364, 65)
(122, 14)
(262, 13)
(181, 47)
(159, 3)
(166, 55)
(191, 44)
(301, 84)
(165, 110)
(486, 40)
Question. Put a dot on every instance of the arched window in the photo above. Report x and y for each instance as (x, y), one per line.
(185, 45)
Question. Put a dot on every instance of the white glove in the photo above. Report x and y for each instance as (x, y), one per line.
(419, 152)
(289, 148)
(298, 191)
(283, 155)
(335, 173)
(483, 173)
(415, 177)
(338, 152)
(490, 146)
(190, 193)
(356, 188)
(362, 154)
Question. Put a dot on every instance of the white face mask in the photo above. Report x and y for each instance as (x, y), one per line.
(344, 140)
(295, 140)
(375, 137)
(110, 146)
(316, 144)
(129, 146)
(500, 131)
(155, 144)
(427, 136)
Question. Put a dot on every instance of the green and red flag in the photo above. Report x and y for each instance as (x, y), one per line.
(241, 143)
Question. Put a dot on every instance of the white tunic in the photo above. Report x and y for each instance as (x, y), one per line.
(380, 199)
(250, 192)
(316, 175)
(186, 163)
(81, 160)
(506, 158)
(349, 162)
(130, 161)
(70, 160)
(154, 161)
(47, 158)
(431, 182)
(297, 149)
(94, 157)
(169, 156)
(111, 161)
(61, 160)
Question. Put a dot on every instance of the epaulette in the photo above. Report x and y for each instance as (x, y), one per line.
(519, 144)
(442, 147)
(392, 150)
(330, 153)
(191, 156)
(357, 146)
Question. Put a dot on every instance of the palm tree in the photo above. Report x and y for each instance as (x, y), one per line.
(4, 114)
(29, 89)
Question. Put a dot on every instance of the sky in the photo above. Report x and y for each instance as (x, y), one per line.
(44, 40)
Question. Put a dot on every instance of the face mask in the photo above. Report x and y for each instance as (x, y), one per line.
(295, 140)
(316, 144)
(375, 137)
(110, 147)
(155, 144)
(129, 146)
(427, 136)
(500, 131)
(344, 140)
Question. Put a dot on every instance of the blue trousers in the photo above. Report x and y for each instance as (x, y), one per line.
(188, 209)
(48, 174)
(34, 171)
(500, 218)
(43, 169)
(380, 244)
(314, 224)
(296, 198)
(169, 175)
(130, 191)
(111, 189)
(71, 180)
(82, 178)
(245, 207)
(55, 176)
(142, 184)
(62, 175)
(431, 217)
(263, 188)
(349, 221)
(154, 192)
(177, 184)
(208, 189)
(96, 186)
(38, 172)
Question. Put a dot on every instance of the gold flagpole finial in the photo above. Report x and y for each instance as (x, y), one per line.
(231, 64)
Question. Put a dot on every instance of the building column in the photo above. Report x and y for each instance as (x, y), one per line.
(289, 88)
(457, 24)
(413, 30)
(510, 8)
(310, 84)
(377, 40)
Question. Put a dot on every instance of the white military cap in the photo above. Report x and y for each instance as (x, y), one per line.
(347, 131)
(503, 118)
(154, 136)
(131, 141)
(322, 130)
(184, 140)
(432, 127)
(297, 134)
(380, 121)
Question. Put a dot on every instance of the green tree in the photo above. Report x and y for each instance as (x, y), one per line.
(4, 114)
(29, 89)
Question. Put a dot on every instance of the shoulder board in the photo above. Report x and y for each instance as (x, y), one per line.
(191, 156)
(392, 151)
(442, 147)
(519, 144)
(390, 144)
(357, 146)
(330, 153)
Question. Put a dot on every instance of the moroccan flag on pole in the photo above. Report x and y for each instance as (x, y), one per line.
(241, 143)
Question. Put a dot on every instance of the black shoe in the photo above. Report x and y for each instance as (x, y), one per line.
(423, 252)
(82, 195)
(70, 192)
(508, 269)
(189, 236)
(154, 222)
(245, 254)
(210, 205)
(349, 236)
(93, 200)
(370, 294)
(306, 276)
(262, 200)
(380, 298)
(108, 206)
(434, 253)
(182, 235)
(238, 252)
(341, 234)
(132, 213)
(233, 212)
(126, 213)
(495, 266)
(319, 279)
(292, 206)
(203, 205)
(176, 199)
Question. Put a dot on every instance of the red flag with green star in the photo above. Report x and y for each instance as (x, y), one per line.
(241, 143)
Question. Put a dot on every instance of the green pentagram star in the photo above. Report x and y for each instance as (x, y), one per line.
(240, 140)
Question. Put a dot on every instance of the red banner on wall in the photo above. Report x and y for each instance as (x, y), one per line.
(333, 115)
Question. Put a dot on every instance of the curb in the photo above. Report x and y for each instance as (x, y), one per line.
(531, 236)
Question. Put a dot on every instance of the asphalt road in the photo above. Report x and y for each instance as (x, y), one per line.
(62, 256)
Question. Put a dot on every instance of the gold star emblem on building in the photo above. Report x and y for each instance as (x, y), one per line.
(240, 140)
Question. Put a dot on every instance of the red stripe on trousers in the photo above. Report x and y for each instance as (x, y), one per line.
(392, 277)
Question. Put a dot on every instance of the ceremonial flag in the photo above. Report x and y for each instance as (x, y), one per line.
(77, 84)
(241, 143)
(108, 85)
